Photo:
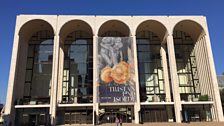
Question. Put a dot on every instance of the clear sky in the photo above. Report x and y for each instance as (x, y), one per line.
(212, 9)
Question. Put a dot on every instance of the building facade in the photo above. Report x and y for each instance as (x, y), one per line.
(91, 69)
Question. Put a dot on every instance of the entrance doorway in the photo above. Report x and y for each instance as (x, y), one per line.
(196, 113)
(154, 113)
(32, 117)
(74, 115)
(108, 114)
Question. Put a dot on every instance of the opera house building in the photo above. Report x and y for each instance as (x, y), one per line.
(69, 69)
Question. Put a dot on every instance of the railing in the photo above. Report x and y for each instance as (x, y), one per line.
(33, 101)
(79, 99)
(195, 97)
(155, 98)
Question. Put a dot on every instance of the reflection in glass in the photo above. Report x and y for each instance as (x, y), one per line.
(186, 66)
(78, 69)
(39, 68)
(149, 66)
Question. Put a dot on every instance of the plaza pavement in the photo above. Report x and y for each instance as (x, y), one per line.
(161, 124)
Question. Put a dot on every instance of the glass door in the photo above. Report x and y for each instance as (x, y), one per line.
(109, 114)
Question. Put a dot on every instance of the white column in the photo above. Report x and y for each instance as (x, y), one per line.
(174, 78)
(9, 106)
(95, 102)
(137, 105)
(165, 73)
(61, 72)
(218, 105)
(166, 80)
(53, 104)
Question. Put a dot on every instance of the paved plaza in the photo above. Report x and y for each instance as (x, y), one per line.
(162, 124)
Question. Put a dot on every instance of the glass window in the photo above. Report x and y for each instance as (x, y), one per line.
(149, 66)
(186, 66)
(78, 69)
(39, 66)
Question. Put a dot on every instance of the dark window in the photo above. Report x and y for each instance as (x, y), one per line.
(149, 66)
(39, 68)
(186, 66)
(77, 84)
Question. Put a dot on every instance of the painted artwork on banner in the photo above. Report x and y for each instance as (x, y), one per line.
(115, 70)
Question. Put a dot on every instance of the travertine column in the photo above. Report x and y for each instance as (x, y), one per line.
(218, 105)
(95, 102)
(166, 80)
(165, 73)
(54, 85)
(60, 72)
(9, 106)
(137, 105)
(174, 78)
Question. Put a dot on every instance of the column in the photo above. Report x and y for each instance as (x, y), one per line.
(53, 104)
(9, 106)
(217, 101)
(95, 102)
(166, 80)
(165, 73)
(137, 105)
(60, 72)
(174, 78)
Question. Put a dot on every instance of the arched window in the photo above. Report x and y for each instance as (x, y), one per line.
(39, 66)
(77, 84)
(186, 66)
(149, 67)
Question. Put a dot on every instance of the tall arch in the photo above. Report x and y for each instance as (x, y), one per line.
(154, 26)
(152, 64)
(34, 73)
(34, 36)
(75, 84)
(193, 67)
(75, 25)
(114, 28)
(33, 26)
(191, 27)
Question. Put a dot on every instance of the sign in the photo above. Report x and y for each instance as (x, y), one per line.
(115, 70)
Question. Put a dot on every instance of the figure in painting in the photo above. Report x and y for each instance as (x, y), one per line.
(106, 50)
(117, 52)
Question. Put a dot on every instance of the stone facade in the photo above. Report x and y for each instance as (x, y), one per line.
(163, 26)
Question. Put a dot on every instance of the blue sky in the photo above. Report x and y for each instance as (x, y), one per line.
(212, 9)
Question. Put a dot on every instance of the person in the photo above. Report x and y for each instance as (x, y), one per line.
(108, 119)
(117, 121)
(120, 120)
(106, 49)
(117, 55)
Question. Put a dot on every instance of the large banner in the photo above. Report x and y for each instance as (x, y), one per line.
(115, 70)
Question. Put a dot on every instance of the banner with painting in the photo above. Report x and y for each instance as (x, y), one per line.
(115, 70)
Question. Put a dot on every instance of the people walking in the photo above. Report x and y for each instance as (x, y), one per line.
(117, 121)
(120, 120)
